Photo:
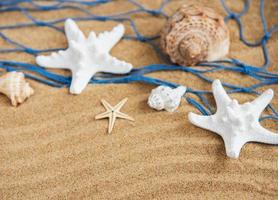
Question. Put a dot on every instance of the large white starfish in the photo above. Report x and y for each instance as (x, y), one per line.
(236, 124)
(87, 56)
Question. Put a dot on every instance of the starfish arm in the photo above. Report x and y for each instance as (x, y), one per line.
(260, 103)
(114, 65)
(103, 115)
(260, 134)
(123, 116)
(67, 59)
(106, 105)
(112, 120)
(58, 60)
(221, 97)
(233, 144)
(120, 104)
(107, 40)
(80, 79)
(203, 122)
(73, 33)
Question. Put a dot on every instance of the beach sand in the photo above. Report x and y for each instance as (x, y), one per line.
(51, 147)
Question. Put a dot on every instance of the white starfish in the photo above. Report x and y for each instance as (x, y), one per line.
(236, 124)
(87, 56)
(113, 113)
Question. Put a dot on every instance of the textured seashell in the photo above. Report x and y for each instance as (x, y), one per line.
(194, 34)
(164, 97)
(14, 85)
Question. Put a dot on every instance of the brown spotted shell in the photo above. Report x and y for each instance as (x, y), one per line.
(14, 86)
(194, 34)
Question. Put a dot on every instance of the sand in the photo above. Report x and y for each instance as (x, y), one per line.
(52, 148)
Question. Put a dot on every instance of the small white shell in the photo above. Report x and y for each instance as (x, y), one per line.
(14, 86)
(164, 97)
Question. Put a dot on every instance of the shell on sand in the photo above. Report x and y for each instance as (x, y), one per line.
(14, 85)
(195, 33)
(164, 97)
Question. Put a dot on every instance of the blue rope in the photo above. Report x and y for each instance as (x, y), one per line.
(27, 7)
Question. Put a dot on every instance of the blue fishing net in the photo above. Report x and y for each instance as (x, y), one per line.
(26, 7)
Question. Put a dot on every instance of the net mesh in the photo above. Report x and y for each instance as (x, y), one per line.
(26, 7)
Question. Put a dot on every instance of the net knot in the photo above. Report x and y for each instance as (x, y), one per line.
(153, 12)
(41, 23)
(232, 15)
(246, 69)
(142, 38)
(246, 90)
(31, 51)
(266, 37)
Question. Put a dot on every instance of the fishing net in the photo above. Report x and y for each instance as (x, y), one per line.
(28, 7)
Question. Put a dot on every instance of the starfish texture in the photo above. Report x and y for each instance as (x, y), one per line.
(87, 56)
(236, 123)
(112, 113)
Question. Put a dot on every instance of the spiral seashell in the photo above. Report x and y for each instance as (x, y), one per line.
(14, 85)
(164, 97)
(194, 34)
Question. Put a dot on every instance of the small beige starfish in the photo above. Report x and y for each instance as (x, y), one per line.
(112, 113)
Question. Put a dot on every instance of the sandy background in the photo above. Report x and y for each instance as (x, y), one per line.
(51, 146)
